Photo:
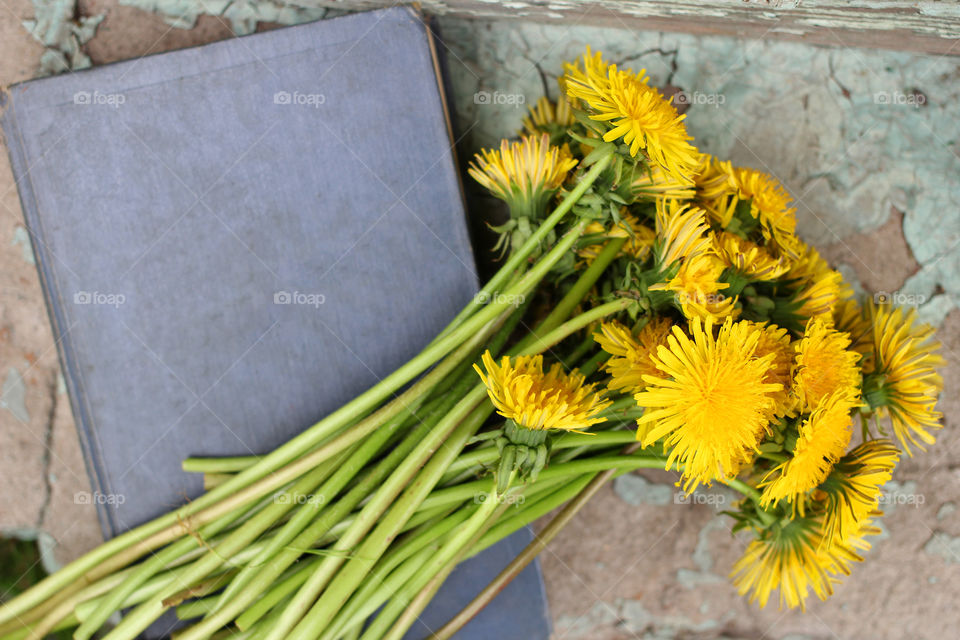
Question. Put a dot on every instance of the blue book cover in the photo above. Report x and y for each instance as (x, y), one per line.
(236, 239)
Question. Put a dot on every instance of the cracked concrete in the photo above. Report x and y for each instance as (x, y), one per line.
(48, 452)
(865, 140)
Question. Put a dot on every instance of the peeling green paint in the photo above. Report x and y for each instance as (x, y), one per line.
(635, 619)
(21, 237)
(703, 558)
(243, 15)
(944, 545)
(637, 490)
(58, 28)
(900, 494)
(14, 395)
(946, 510)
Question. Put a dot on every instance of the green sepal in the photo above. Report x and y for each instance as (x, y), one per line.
(523, 436)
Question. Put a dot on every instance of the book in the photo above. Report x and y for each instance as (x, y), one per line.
(236, 239)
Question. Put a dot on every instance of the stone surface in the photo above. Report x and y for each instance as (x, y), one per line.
(865, 141)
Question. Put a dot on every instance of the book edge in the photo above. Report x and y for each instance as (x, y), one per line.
(443, 94)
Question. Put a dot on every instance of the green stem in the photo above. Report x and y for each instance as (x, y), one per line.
(452, 434)
(262, 628)
(347, 580)
(475, 458)
(253, 482)
(744, 488)
(531, 510)
(576, 355)
(142, 616)
(388, 578)
(580, 288)
(21, 634)
(486, 455)
(544, 342)
(129, 546)
(69, 607)
(219, 465)
(367, 449)
(413, 598)
(458, 494)
(602, 463)
(196, 608)
(278, 592)
(538, 544)
(517, 258)
(214, 480)
(620, 404)
(580, 492)
(392, 584)
(590, 366)
(269, 571)
(143, 572)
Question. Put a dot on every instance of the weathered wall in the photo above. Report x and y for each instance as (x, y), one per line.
(929, 26)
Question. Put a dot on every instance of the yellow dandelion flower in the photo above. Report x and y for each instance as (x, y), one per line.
(681, 232)
(901, 379)
(823, 438)
(634, 111)
(546, 116)
(776, 340)
(820, 297)
(823, 365)
(853, 489)
(525, 174)
(843, 551)
(807, 265)
(653, 183)
(786, 246)
(850, 317)
(790, 558)
(714, 178)
(819, 289)
(770, 204)
(640, 238)
(716, 189)
(521, 391)
(698, 289)
(708, 401)
(630, 356)
(746, 258)
(785, 558)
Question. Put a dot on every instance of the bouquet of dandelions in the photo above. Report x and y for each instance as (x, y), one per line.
(686, 327)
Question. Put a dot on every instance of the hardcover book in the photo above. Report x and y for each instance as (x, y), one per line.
(236, 239)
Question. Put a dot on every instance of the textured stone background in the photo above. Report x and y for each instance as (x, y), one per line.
(866, 141)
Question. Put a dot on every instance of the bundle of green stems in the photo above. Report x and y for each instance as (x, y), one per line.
(348, 530)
